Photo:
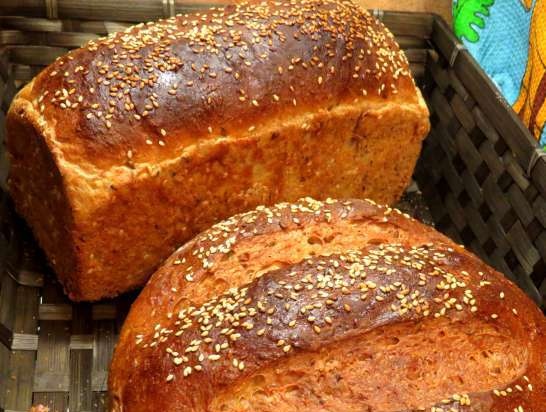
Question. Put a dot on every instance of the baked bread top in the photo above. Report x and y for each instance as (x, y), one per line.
(143, 94)
(342, 305)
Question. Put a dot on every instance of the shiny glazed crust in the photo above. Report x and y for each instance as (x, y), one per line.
(149, 136)
(334, 306)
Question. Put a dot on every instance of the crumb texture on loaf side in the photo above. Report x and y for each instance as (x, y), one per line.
(38, 188)
(307, 305)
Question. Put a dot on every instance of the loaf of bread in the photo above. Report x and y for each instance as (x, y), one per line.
(335, 306)
(125, 148)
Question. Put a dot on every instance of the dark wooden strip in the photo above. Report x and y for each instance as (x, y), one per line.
(537, 175)
(19, 385)
(100, 402)
(495, 108)
(539, 211)
(520, 204)
(33, 24)
(81, 358)
(456, 212)
(472, 190)
(493, 161)
(33, 54)
(8, 293)
(438, 73)
(525, 251)
(495, 198)
(64, 39)
(52, 372)
(412, 24)
(443, 39)
(134, 11)
(105, 338)
(485, 125)
(81, 396)
(55, 401)
(5, 355)
(52, 361)
(6, 336)
(24, 341)
(462, 112)
(479, 228)
(467, 151)
(62, 311)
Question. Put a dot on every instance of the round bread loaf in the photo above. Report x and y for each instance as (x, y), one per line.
(329, 306)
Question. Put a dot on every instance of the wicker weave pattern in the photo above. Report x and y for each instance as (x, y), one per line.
(480, 170)
(473, 173)
(51, 351)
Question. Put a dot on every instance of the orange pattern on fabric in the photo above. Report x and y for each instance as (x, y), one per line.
(530, 104)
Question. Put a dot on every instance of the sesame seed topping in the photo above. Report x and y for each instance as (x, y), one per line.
(129, 67)
(319, 295)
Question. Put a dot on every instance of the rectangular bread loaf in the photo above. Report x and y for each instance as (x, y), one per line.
(129, 146)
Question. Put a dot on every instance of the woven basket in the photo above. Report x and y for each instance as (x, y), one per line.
(480, 174)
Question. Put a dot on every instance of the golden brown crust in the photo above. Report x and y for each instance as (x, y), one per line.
(199, 340)
(142, 166)
(158, 87)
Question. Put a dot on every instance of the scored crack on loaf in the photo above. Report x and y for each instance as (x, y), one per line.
(125, 148)
(329, 306)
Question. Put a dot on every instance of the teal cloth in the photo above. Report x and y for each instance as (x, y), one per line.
(496, 32)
